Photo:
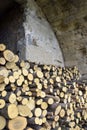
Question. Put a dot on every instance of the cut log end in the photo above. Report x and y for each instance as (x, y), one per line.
(19, 123)
(2, 122)
(12, 111)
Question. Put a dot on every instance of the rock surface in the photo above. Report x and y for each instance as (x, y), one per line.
(68, 19)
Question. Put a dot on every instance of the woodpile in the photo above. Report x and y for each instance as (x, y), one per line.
(40, 97)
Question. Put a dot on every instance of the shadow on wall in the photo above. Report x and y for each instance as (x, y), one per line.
(11, 27)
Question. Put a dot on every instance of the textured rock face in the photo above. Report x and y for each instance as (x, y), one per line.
(41, 43)
(31, 36)
(69, 21)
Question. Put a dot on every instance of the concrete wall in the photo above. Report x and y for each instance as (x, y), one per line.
(40, 42)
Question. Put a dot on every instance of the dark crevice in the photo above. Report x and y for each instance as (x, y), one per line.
(11, 26)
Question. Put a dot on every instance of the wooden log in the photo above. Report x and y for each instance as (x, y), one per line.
(9, 111)
(16, 59)
(44, 105)
(23, 110)
(24, 71)
(37, 112)
(62, 113)
(1, 78)
(31, 104)
(30, 77)
(11, 79)
(2, 61)
(4, 93)
(2, 87)
(39, 74)
(10, 65)
(9, 55)
(2, 122)
(12, 98)
(24, 101)
(18, 123)
(6, 80)
(2, 47)
(2, 103)
(12, 111)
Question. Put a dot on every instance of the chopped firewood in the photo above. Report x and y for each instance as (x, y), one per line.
(40, 97)
(30, 77)
(2, 103)
(9, 55)
(25, 72)
(16, 59)
(18, 123)
(1, 78)
(2, 87)
(10, 65)
(23, 110)
(37, 112)
(12, 111)
(44, 105)
(39, 74)
(2, 61)
(12, 98)
(2, 47)
(2, 122)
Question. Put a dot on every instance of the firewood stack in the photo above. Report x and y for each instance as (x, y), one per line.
(40, 97)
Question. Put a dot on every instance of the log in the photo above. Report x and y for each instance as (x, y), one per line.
(2, 103)
(44, 105)
(23, 110)
(30, 77)
(2, 87)
(10, 65)
(2, 122)
(9, 55)
(18, 123)
(2, 47)
(2, 61)
(46, 97)
(37, 112)
(39, 74)
(12, 111)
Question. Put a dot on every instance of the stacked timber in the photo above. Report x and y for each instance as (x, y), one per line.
(40, 97)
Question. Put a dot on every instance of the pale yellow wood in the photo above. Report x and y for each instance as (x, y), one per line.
(2, 61)
(2, 47)
(9, 55)
(2, 103)
(2, 122)
(18, 123)
(12, 111)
